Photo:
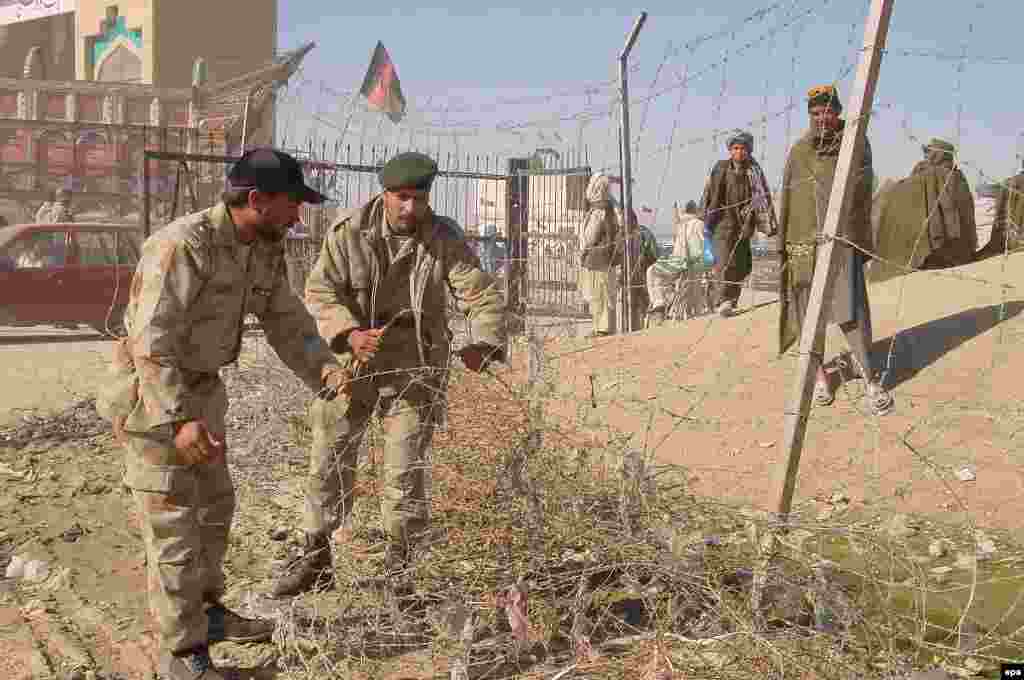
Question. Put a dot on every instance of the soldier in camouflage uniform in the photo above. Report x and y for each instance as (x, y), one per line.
(197, 279)
(379, 294)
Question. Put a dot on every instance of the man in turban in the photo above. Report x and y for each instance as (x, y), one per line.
(736, 203)
(1009, 220)
(601, 249)
(643, 253)
(806, 189)
(687, 260)
(926, 221)
(952, 231)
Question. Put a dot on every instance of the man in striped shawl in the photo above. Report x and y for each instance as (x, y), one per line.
(806, 189)
(736, 203)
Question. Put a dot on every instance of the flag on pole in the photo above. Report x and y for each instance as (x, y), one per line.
(381, 88)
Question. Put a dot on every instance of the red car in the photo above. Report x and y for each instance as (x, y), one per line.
(61, 274)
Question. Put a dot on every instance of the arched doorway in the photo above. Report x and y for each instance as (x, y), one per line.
(121, 64)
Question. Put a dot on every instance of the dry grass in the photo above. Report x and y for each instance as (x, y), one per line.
(622, 572)
(552, 559)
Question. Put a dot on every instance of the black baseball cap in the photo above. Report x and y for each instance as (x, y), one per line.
(274, 172)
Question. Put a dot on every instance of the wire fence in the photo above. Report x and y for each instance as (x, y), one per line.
(600, 506)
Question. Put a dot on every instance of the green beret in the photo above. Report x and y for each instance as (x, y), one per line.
(409, 170)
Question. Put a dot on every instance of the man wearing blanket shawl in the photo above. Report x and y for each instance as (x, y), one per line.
(736, 203)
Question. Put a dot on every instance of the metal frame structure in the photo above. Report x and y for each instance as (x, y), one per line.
(541, 265)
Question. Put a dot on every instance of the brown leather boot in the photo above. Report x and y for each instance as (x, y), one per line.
(312, 571)
(227, 626)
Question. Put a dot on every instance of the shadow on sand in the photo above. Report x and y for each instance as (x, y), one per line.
(920, 346)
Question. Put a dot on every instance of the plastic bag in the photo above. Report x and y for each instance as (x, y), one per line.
(709, 247)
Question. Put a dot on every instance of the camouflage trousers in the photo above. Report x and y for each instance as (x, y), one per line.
(408, 408)
(185, 512)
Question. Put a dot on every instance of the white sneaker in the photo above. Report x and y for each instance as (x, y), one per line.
(726, 309)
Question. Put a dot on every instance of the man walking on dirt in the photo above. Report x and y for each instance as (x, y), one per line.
(379, 292)
(197, 279)
(736, 203)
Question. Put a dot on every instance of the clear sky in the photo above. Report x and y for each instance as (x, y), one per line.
(507, 81)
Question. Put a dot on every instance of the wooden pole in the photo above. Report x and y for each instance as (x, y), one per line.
(876, 29)
(859, 109)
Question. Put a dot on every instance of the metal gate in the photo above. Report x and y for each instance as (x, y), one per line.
(526, 211)
(554, 208)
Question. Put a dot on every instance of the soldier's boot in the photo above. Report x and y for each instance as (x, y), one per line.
(192, 665)
(312, 571)
(227, 626)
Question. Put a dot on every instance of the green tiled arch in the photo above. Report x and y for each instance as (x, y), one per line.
(107, 41)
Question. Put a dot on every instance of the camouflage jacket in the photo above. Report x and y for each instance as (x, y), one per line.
(355, 284)
(191, 291)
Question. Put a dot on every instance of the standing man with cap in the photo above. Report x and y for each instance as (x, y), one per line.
(952, 228)
(197, 279)
(379, 294)
(806, 190)
(736, 203)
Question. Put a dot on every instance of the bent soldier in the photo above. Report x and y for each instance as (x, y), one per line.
(379, 293)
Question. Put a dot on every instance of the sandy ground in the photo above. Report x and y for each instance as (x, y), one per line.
(710, 394)
(48, 368)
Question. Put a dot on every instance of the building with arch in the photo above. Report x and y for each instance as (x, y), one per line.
(87, 85)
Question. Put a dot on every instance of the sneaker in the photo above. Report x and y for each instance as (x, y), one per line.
(726, 309)
(192, 665)
(879, 400)
(312, 571)
(227, 626)
(656, 317)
